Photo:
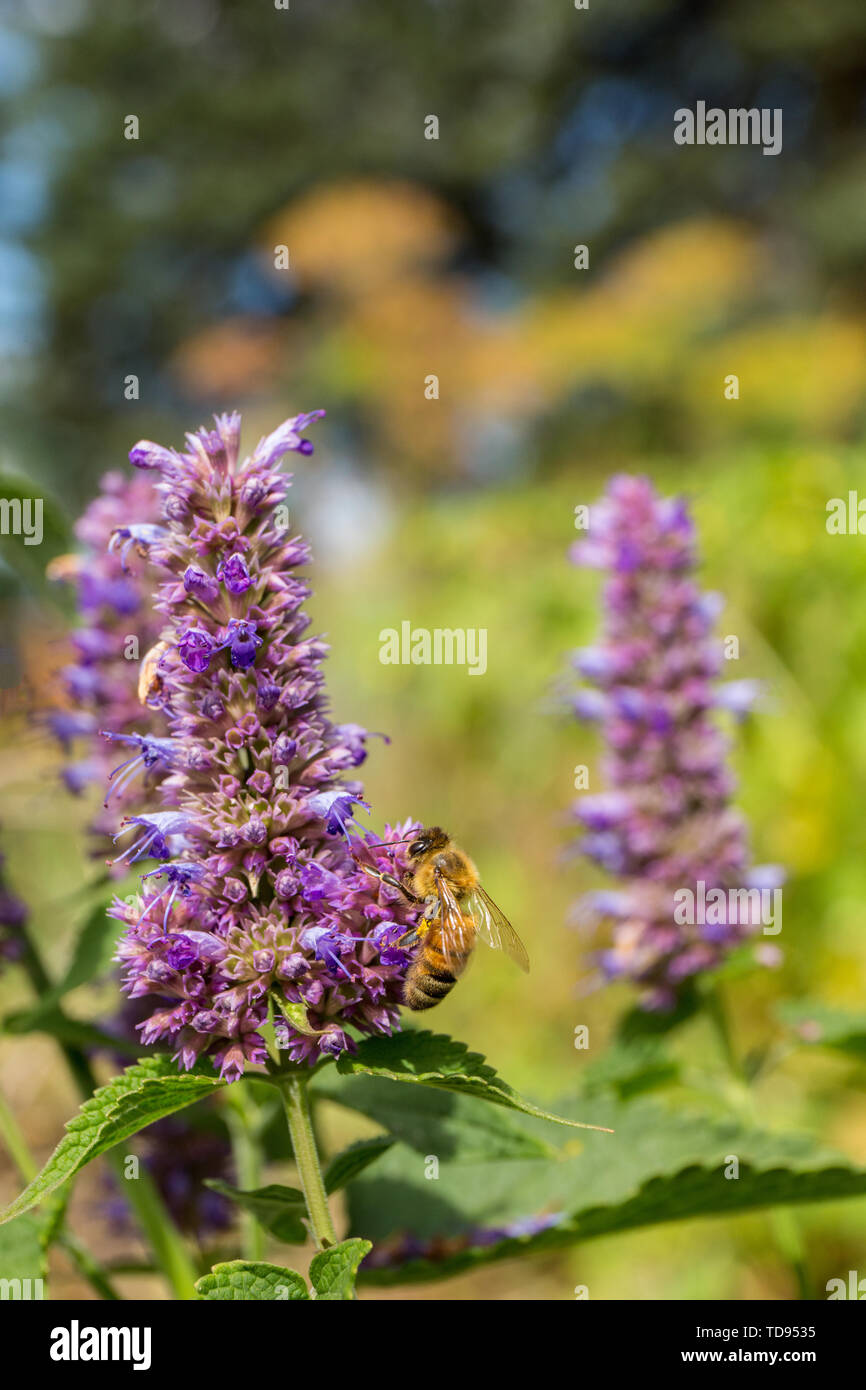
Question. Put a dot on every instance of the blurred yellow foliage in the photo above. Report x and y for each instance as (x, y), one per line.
(634, 324)
(239, 356)
(654, 324)
(689, 271)
(350, 238)
(805, 373)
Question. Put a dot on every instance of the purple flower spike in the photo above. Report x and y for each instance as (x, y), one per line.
(124, 515)
(260, 888)
(666, 827)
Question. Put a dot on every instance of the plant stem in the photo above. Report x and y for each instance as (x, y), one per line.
(167, 1244)
(718, 1014)
(783, 1222)
(91, 1269)
(789, 1238)
(13, 1137)
(169, 1247)
(296, 1102)
(240, 1118)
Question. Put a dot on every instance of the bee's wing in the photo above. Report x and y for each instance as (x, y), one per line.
(457, 938)
(495, 928)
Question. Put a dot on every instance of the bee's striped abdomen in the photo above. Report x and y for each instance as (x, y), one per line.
(430, 976)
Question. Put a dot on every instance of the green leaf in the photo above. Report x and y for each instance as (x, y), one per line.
(332, 1271)
(240, 1280)
(129, 1102)
(28, 561)
(95, 948)
(434, 1121)
(349, 1164)
(660, 1168)
(819, 1024)
(631, 1069)
(296, 1015)
(279, 1209)
(433, 1059)
(20, 1252)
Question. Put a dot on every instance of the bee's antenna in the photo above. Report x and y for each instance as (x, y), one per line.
(379, 844)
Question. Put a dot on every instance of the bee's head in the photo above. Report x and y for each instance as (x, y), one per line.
(433, 838)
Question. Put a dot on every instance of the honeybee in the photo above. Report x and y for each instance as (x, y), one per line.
(457, 910)
(149, 676)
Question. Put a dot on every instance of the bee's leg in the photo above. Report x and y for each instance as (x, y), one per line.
(391, 881)
(422, 926)
(414, 934)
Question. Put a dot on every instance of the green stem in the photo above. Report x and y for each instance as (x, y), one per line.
(167, 1244)
(297, 1104)
(91, 1269)
(240, 1118)
(783, 1222)
(718, 1014)
(16, 1143)
(789, 1238)
(169, 1247)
